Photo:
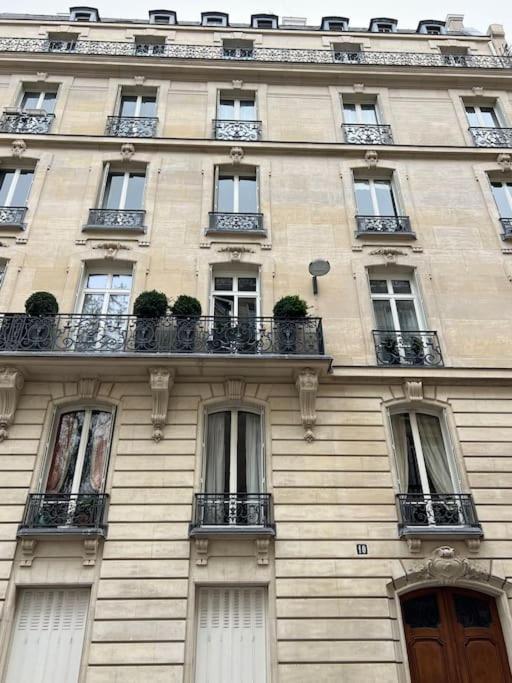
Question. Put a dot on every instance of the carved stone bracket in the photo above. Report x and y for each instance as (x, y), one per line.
(307, 386)
(88, 387)
(160, 383)
(127, 151)
(413, 390)
(28, 549)
(234, 388)
(473, 544)
(371, 158)
(262, 547)
(110, 248)
(447, 566)
(389, 254)
(202, 552)
(414, 545)
(91, 547)
(504, 161)
(237, 155)
(18, 148)
(11, 383)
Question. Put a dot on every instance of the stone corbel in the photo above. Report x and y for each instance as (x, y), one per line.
(473, 544)
(160, 383)
(262, 547)
(307, 386)
(202, 552)
(91, 547)
(413, 390)
(28, 549)
(11, 383)
(414, 545)
(234, 388)
(88, 387)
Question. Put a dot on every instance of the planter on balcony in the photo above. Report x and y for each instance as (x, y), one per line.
(287, 311)
(187, 311)
(150, 308)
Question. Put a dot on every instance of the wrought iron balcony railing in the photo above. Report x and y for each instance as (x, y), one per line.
(367, 134)
(261, 54)
(64, 512)
(437, 510)
(118, 334)
(23, 122)
(384, 225)
(232, 511)
(415, 348)
(506, 224)
(13, 216)
(235, 222)
(131, 126)
(492, 137)
(119, 219)
(248, 131)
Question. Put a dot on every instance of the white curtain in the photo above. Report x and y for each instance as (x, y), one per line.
(434, 453)
(401, 449)
(215, 453)
(253, 459)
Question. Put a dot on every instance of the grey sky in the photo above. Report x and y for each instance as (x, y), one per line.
(478, 14)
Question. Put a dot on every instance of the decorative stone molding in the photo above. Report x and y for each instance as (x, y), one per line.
(371, 158)
(358, 87)
(41, 75)
(414, 545)
(91, 547)
(236, 253)
(388, 254)
(446, 566)
(262, 548)
(160, 383)
(413, 390)
(11, 383)
(127, 151)
(237, 155)
(88, 387)
(28, 549)
(473, 544)
(307, 386)
(478, 90)
(110, 248)
(504, 161)
(139, 80)
(201, 551)
(234, 388)
(18, 148)
(237, 85)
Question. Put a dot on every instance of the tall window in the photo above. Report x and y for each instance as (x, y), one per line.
(395, 303)
(123, 190)
(236, 192)
(482, 116)
(236, 108)
(33, 99)
(15, 186)
(235, 295)
(137, 105)
(503, 197)
(357, 113)
(375, 198)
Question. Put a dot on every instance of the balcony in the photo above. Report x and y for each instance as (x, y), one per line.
(12, 216)
(258, 54)
(237, 223)
(131, 126)
(492, 137)
(66, 513)
(246, 131)
(446, 514)
(131, 220)
(83, 334)
(367, 134)
(232, 513)
(33, 122)
(506, 224)
(384, 225)
(415, 348)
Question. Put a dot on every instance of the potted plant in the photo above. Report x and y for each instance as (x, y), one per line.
(416, 351)
(34, 331)
(149, 307)
(186, 310)
(288, 311)
(389, 351)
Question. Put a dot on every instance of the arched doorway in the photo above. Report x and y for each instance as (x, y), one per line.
(454, 636)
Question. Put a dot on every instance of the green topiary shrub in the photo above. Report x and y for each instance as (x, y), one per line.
(41, 303)
(290, 307)
(150, 304)
(186, 307)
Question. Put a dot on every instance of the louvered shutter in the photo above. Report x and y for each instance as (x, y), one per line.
(231, 636)
(48, 636)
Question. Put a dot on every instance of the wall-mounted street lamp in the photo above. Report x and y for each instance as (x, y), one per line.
(317, 269)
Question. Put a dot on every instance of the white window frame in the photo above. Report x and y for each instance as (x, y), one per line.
(236, 99)
(508, 195)
(108, 290)
(373, 194)
(138, 103)
(235, 292)
(208, 17)
(393, 298)
(40, 101)
(236, 175)
(478, 114)
(124, 190)
(384, 27)
(359, 114)
(14, 182)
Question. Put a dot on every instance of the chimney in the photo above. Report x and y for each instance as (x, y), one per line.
(455, 23)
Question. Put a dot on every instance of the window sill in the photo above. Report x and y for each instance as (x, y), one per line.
(240, 531)
(138, 230)
(62, 532)
(445, 531)
(386, 235)
(238, 233)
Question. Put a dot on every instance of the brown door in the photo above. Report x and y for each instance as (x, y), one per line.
(454, 636)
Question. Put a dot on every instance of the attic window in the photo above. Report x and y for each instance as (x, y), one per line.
(164, 17)
(334, 24)
(264, 21)
(384, 28)
(432, 28)
(83, 14)
(214, 19)
(383, 25)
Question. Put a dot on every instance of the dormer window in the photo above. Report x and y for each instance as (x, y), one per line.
(264, 21)
(334, 24)
(162, 16)
(83, 14)
(383, 25)
(214, 19)
(431, 27)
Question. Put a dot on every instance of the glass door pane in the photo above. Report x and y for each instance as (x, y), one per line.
(349, 113)
(383, 315)
(503, 198)
(6, 178)
(473, 119)
(226, 109)
(247, 110)
(364, 198)
(368, 114)
(225, 195)
(49, 102)
(113, 191)
(407, 317)
(385, 199)
(22, 188)
(148, 107)
(488, 117)
(247, 198)
(135, 192)
(128, 105)
(96, 452)
(65, 452)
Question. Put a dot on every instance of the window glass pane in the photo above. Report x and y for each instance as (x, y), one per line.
(226, 109)
(225, 194)
(65, 451)
(472, 612)
(368, 114)
(489, 118)
(224, 284)
(128, 105)
(97, 281)
(20, 195)
(6, 178)
(379, 286)
(247, 110)
(49, 102)
(363, 198)
(472, 117)
(385, 200)
(349, 113)
(113, 189)
(217, 459)
(117, 304)
(434, 454)
(246, 307)
(401, 286)
(96, 452)
(383, 317)
(407, 315)
(135, 193)
(121, 282)
(30, 100)
(148, 107)
(247, 202)
(93, 304)
(247, 284)
(503, 199)
(405, 452)
(422, 612)
(223, 307)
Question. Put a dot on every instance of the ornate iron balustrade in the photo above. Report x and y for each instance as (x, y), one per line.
(383, 225)
(437, 510)
(64, 512)
(415, 348)
(13, 215)
(492, 137)
(120, 219)
(25, 122)
(248, 131)
(99, 334)
(260, 54)
(131, 126)
(232, 510)
(235, 222)
(367, 134)
(507, 228)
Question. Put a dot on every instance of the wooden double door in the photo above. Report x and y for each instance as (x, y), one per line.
(454, 636)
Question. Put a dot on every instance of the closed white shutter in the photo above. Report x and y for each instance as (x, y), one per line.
(48, 636)
(231, 636)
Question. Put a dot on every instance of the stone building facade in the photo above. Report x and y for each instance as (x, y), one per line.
(236, 496)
